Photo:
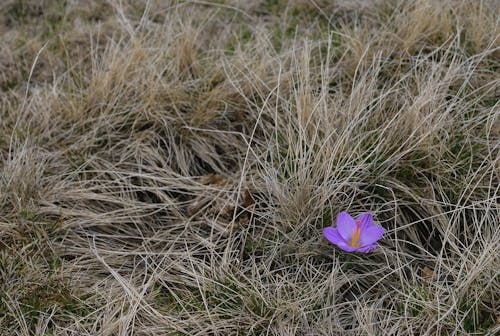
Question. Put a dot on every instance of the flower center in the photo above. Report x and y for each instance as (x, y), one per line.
(355, 236)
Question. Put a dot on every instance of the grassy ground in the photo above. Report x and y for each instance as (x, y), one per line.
(166, 168)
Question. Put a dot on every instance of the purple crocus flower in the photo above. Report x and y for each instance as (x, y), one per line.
(354, 235)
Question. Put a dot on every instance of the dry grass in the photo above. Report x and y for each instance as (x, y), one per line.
(167, 167)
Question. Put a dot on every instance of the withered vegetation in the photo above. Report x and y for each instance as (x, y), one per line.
(167, 167)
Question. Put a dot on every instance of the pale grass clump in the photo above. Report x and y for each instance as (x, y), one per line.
(168, 167)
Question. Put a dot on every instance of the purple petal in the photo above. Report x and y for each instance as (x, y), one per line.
(366, 220)
(345, 225)
(367, 248)
(346, 247)
(370, 235)
(332, 234)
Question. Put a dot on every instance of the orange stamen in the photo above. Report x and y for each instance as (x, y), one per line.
(355, 237)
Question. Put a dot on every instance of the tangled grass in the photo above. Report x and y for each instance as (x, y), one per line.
(167, 167)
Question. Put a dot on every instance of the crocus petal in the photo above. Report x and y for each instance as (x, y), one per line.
(346, 224)
(367, 248)
(370, 235)
(366, 220)
(333, 235)
(346, 247)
